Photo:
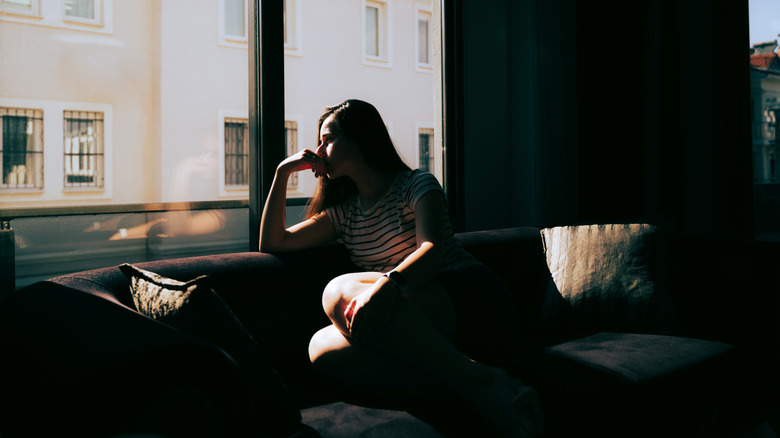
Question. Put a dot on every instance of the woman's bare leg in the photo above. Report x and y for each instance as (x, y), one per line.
(415, 336)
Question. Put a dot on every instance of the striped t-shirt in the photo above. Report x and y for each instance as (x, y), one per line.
(380, 237)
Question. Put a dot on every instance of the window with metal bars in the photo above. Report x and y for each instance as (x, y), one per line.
(291, 147)
(236, 152)
(21, 148)
(426, 154)
(84, 152)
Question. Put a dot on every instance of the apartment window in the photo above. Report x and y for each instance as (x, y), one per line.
(84, 151)
(236, 152)
(23, 7)
(291, 147)
(233, 22)
(292, 27)
(376, 36)
(21, 148)
(423, 46)
(84, 11)
(426, 149)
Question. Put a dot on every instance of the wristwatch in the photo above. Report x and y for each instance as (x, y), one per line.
(398, 281)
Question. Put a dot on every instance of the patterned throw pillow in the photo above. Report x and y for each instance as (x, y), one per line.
(194, 307)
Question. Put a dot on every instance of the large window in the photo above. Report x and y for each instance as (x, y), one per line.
(342, 65)
(765, 99)
(155, 111)
(21, 148)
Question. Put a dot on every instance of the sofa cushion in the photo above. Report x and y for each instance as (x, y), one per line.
(194, 307)
(604, 277)
(629, 358)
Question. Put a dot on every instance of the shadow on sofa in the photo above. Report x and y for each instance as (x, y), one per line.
(631, 332)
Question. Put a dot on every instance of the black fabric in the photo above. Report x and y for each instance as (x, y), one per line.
(637, 358)
(488, 328)
(78, 365)
(192, 306)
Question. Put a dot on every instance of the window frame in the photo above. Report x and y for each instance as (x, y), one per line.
(230, 40)
(38, 185)
(266, 104)
(293, 30)
(225, 189)
(97, 20)
(54, 188)
(418, 128)
(421, 10)
(384, 58)
(99, 155)
(34, 12)
(52, 14)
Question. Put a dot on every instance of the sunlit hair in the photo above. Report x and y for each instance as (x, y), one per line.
(361, 123)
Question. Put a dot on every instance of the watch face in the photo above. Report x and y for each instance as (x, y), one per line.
(398, 278)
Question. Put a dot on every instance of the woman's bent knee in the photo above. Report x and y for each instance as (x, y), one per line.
(342, 289)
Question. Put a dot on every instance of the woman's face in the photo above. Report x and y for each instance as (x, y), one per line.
(339, 153)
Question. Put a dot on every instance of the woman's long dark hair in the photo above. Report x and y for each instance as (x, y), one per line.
(361, 123)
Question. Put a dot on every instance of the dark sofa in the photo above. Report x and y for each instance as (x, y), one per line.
(694, 357)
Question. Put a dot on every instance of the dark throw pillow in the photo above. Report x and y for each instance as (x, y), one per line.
(194, 307)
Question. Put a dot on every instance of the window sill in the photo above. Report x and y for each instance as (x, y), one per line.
(378, 62)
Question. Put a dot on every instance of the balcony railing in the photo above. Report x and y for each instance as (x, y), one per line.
(38, 243)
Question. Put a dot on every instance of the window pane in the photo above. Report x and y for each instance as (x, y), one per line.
(83, 149)
(403, 96)
(24, 5)
(765, 98)
(21, 148)
(372, 31)
(80, 8)
(423, 41)
(237, 152)
(234, 18)
(135, 117)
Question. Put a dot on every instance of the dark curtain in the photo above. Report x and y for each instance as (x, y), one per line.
(663, 115)
(544, 111)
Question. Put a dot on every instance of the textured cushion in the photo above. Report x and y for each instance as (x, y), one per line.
(637, 358)
(602, 276)
(194, 307)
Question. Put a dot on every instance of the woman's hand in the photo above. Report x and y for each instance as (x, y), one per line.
(306, 159)
(368, 312)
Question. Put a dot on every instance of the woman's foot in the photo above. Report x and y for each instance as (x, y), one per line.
(512, 408)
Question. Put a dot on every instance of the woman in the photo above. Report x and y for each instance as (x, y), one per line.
(393, 325)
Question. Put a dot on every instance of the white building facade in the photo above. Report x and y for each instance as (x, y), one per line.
(142, 101)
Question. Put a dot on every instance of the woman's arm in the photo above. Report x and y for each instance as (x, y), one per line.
(421, 266)
(418, 269)
(274, 234)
